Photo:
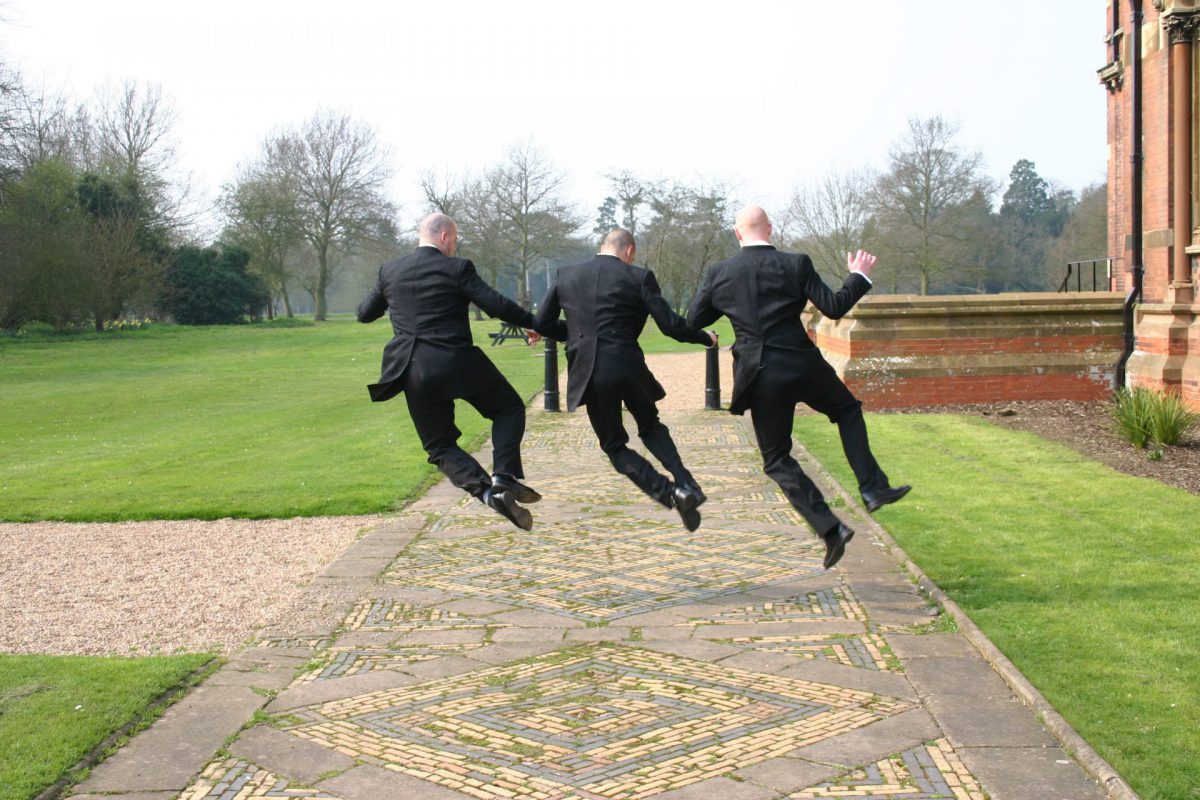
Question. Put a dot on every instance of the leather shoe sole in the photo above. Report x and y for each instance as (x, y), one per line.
(690, 517)
(835, 544)
(877, 500)
(506, 505)
(520, 492)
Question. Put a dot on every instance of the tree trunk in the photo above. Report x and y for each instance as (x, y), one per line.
(287, 302)
(322, 282)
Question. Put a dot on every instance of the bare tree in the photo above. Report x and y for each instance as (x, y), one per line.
(134, 125)
(631, 194)
(339, 170)
(261, 208)
(830, 219)
(535, 219)
(689, 229)
(928, 201)
(132, 136)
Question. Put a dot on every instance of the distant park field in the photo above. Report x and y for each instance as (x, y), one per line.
(249, 421)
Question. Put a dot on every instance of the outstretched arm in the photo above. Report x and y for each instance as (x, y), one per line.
(373, 305)
(492, 302)
(667, 320)
(547, 322)
(832, 304)
(702, 312)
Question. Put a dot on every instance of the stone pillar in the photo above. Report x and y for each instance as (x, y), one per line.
(1181, 29)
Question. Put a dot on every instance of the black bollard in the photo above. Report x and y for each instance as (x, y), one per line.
(551, 391)
(712, 379)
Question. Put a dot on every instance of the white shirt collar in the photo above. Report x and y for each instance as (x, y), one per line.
(755, 243)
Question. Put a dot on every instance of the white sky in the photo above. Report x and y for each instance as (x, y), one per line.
(767, 94)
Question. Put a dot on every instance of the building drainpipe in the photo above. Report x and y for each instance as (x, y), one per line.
(1135, 202)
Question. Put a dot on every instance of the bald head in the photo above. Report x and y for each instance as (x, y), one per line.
(438, 230)
(619, 242)
(751, 224)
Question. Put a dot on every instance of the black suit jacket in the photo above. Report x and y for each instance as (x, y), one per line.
(763, 291)
(427, 296)
(606, 302)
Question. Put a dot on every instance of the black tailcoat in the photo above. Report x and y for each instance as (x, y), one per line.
(427, 296)
(763, 291)
(606, 303)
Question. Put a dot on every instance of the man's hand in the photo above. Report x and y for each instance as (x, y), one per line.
(534, 336)
(713, 336)
(861, 262)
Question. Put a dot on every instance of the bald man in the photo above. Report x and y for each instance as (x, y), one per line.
(606, 301)
(433, 361)
(776, 365)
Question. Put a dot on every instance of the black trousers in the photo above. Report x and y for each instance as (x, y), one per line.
(788, 378)
(433, 417)
(603, 403)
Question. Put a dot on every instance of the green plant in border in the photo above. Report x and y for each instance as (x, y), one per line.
(1144, 417)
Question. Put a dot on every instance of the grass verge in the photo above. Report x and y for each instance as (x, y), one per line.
(1084, 577)
(55, 710)
(202, 423)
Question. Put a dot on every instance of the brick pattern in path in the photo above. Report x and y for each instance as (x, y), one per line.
(611, 655)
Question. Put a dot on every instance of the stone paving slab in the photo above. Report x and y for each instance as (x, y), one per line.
(610, 655)
(289, 756)
(165, 756)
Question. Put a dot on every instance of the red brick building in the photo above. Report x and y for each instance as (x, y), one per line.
(1151, 78)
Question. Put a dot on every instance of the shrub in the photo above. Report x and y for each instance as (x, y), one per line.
(1146, 417)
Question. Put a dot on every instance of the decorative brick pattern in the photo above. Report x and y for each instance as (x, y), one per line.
(866, 650)
(928, 772)
(604, 721)
(233, 779)
(607, 567)
(832, 603)
(387, 615)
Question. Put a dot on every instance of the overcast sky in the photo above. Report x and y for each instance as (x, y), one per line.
(766, 95)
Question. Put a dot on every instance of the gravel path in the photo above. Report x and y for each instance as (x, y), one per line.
(137, 588)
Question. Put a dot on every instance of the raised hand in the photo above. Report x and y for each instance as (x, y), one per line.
(862, 262)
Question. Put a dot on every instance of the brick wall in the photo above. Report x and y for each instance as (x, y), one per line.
(904, 350)
(1167, 353)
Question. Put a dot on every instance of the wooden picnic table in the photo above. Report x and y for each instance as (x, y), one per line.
(508, 331)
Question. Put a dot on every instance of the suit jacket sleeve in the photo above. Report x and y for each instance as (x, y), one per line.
(832, 304)
(702, 313)
(492, 302)
(547, 322)
(667, 320)
(373, 305)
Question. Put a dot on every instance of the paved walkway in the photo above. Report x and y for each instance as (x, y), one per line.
(606, 654)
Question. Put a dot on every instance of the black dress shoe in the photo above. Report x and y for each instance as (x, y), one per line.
(685, 499)
(835, 543)
(506, 504)
(876, 500)
(520, 492)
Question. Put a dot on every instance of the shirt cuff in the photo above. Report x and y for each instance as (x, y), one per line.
(861, 275)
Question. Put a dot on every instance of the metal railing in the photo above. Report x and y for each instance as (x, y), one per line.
(1100, 283)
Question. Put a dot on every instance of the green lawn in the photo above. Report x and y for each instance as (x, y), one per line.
(242, 421)
(653, 340)
(54, 710)
(1084, 577)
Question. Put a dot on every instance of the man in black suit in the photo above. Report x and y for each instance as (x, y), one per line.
(776, 365)
(606, 301)
(433, 360)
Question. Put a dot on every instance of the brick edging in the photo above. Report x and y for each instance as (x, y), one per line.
(1092, 762)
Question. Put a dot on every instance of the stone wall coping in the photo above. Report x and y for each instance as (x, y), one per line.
(967, 304)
